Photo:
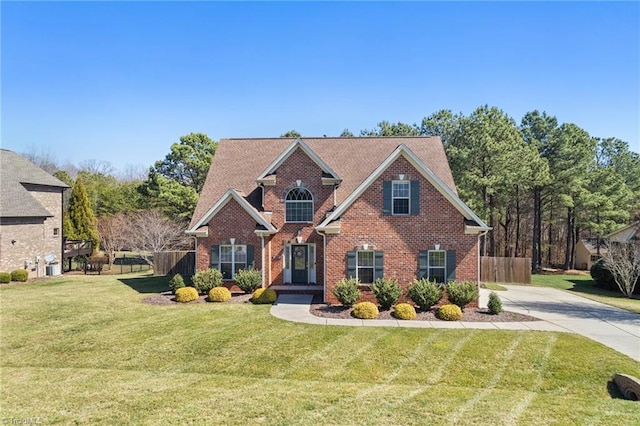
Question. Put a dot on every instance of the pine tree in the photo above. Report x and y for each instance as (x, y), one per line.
(82, 221)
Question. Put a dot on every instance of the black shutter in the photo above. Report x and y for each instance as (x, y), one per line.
(215, 257)
(386, 197)
(415, 197)
(423, 264)
(451, 265)
(351, 264)
(378, 265)
(249, 256)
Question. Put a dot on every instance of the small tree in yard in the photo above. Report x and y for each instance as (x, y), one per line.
(113, 231)
(623, 260)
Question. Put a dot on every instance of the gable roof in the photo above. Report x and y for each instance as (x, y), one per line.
(627, 233)
(240, 199)
(237, 163)
(16, 172)
(403, 150)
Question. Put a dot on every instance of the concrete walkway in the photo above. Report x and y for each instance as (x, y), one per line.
(561, 311)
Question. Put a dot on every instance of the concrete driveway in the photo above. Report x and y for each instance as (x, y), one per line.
(613, 327)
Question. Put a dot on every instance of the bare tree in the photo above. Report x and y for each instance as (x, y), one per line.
(113, 235)
(151, 231)
(43, 158)
(623, 260)
(97, 167)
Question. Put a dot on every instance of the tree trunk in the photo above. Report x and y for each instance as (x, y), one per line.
(517, 248)
(537, 231)
(567, 252)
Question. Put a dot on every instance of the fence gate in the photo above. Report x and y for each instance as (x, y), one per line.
(505, 270)
(174, 262)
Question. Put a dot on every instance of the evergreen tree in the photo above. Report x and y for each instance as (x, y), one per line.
(82, 222)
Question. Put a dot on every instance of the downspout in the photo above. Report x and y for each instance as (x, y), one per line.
(324, 264)
(262, 257)
(195, 260)
(482, 234)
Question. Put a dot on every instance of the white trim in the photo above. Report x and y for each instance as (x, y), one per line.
(233, 194)
(424, 171)
(288, 151)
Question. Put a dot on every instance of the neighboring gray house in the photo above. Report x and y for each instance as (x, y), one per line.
(587, 251)
(30, 216)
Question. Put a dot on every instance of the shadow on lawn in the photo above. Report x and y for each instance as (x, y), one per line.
(589, 287)
(148, 284)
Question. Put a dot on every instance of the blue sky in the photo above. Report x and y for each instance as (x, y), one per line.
(120, 82)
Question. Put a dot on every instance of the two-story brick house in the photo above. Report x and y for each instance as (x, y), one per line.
(30, 215)
(311, 211)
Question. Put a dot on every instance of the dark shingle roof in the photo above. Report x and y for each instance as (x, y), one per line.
(238, 162)
(15, 199)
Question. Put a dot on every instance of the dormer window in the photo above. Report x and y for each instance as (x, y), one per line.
(299, 206)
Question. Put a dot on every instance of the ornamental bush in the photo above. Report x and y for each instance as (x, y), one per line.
(20, 275)
(219, 294)
(602, 276)
(425, 293)
(176, 282)
(494, 305)
(264, 296)
(347, 291)
(461, 293)
(450, 313)
(365, 310)
(404, 311)
(5, 277)
(186, 294)
(387, 292)
(248, 279)
(205, 280)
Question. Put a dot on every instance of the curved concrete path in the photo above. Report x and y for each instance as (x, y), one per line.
(559, 310)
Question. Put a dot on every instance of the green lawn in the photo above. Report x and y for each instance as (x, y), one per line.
(584, 286)
(85, 350)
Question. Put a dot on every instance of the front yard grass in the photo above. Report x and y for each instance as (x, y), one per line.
(86, 350)
(584, 286)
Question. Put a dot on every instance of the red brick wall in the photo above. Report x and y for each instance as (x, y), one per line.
(401, 237)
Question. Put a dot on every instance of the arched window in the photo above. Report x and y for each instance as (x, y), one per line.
(299, 206)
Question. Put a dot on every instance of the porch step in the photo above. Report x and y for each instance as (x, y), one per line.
(298, 289)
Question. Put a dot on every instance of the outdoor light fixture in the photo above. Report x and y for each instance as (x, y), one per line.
(298, 182)
(299, 235)
(401, 176)
(365, 246)
(436, 246)
(232, 241)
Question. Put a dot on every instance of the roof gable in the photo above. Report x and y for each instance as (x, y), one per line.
(297, 144)
(233, 195)
(403, 150)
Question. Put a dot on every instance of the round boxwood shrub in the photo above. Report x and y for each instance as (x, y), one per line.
(219, 294)
(425, 293)
(186, 294)
(207, 279)
(248, 279)
(450, 313)
(347, 291)
(602, 276)
(5, 277)
(494, 305)
(365, 310)
(264, 296)
(176, 282)
(404, 311)
(387, 292)
(461, 293)
(20, 275)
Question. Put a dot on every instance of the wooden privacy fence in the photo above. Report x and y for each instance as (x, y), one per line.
(174, 262)
(505, 269)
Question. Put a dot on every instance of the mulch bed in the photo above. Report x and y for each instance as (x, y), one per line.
(168, 298)
(470, 314)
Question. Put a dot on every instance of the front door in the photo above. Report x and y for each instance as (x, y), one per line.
(299, 264)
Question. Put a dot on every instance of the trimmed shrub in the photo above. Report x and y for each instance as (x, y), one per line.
(461, 293)
(248, 279)
(186, 294)
(365, 310)
(205, 280)
(450, 313)
(20, 275)
(347, 291)
(264, 296)
(494, 305)
(404, 311)
(5, 277)
(176, 282)
(605, 279)
(219, 294)
(387, 292)
(425, 293)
